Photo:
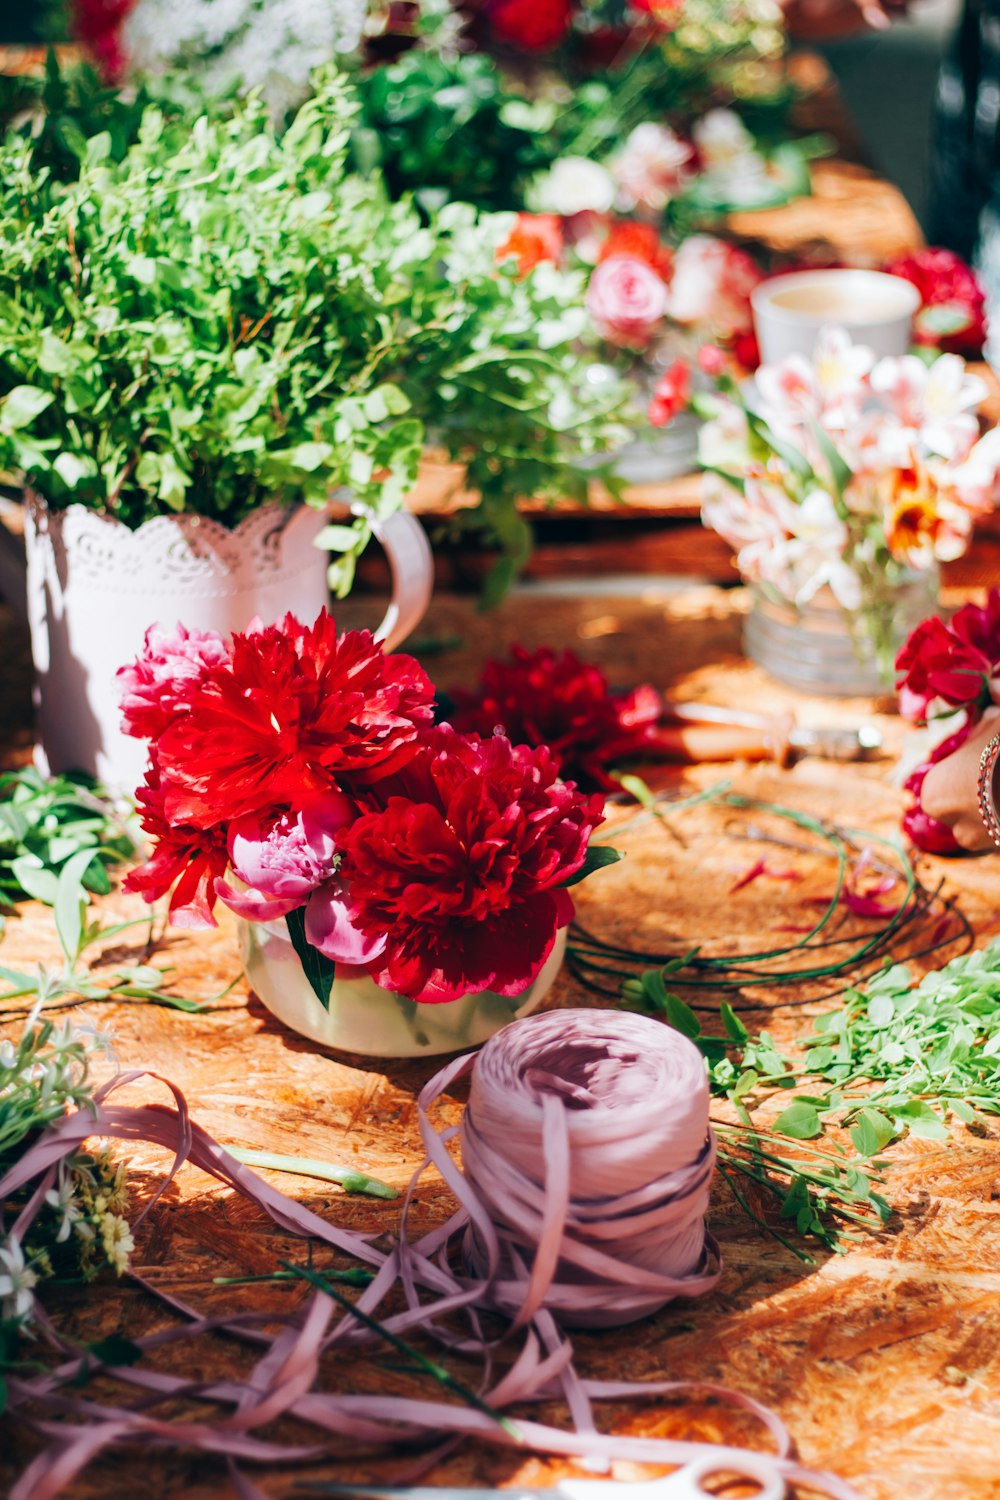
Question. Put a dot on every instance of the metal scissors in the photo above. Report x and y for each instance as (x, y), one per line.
(683, 1484)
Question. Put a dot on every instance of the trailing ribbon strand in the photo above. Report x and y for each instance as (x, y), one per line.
(587, 1169)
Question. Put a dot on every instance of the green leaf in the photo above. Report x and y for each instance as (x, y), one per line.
(115, 1350)
(319, 970)
(800, 1120)
(598, 856)
(36, 881)
(22, 405)
(872, 1132)
(678, 1015)
(71, 902)
(841, 472)
(731, 1021)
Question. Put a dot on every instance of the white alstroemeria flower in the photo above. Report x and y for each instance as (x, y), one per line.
(651, 168)
(17, 1282)
(815, 552)
(573, 185)
(976, 482)
(723, 140)
(756, 523)
(937, 402)
(830, 388)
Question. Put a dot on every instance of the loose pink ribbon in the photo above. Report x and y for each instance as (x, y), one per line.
(587, 1160)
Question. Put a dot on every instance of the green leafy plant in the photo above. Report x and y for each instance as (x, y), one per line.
(47, 821)
(227, 315)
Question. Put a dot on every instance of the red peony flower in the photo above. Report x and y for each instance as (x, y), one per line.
(189, 859)
(531, 25)
(538, 698)
(295, 711)
(534, 238)
(938, 661)
(455, 881)
(953, 315)
(671, 394)
(160, 683)
(923, 831)
(641, 241)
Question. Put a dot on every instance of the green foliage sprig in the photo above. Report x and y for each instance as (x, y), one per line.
(225, 316)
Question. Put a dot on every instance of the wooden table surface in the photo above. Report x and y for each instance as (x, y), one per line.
(885, 1361)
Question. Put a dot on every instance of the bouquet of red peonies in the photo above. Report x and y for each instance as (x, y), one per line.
(946, 669)
(298, 773)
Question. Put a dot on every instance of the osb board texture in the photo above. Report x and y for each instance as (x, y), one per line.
(884, 1362)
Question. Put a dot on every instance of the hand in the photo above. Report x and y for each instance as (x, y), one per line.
(826, 20)
(950, 788)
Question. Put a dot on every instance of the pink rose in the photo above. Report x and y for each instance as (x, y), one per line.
(627, 300)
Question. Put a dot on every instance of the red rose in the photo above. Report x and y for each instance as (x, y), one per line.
(539, 698)
(456, 879)
(293, 711)
(953, 315)
(671, 394)
(936, 662)
(534, 238)
(531, 25)
(641, 241)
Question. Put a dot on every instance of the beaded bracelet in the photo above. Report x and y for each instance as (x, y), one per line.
(987, 805)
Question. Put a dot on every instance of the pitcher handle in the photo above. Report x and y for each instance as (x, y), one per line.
(412, 566)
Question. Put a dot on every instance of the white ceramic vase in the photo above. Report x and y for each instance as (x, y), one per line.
(95, 587)
(364, 1018)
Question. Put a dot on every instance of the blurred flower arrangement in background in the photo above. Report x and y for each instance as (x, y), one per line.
(846, 474)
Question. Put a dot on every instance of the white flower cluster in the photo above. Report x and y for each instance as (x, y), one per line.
(272, 45)
(80, 1228)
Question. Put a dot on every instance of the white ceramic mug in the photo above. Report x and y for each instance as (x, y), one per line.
(875, 308)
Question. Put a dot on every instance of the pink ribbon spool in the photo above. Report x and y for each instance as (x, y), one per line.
(587, 1162)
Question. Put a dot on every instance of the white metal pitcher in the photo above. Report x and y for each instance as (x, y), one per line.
(95, 588)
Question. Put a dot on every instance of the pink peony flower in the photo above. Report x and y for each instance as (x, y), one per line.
(161, 683)
(627, 300)
(455, 880)
(283, 859)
